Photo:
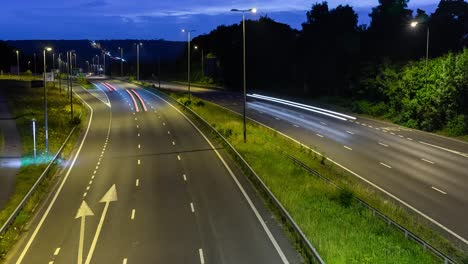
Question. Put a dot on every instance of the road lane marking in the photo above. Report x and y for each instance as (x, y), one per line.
(319, 135)
(97, 167)
(138, 126)
(94, 172)
(446, 149)
(296, 125)
(385, 165)
(409, 139)
(168, 132)
(51, 262)
(385, 131)
(138, 134)
(84, 194)
(348, 148)
(57, 251)
(173, 143)
(323, 123)
(139, 162)
(139, 146)
(192, 208)
(428, 161)
(382, 144)
(87, 188)
(164, 123)
(178, 157)
(439, 190)
(92, 177)
(185, 177)
(90, 182)
(377, 128)
(99, 163)
(349, 132)
(133, 214)
(401, 136)
(391, 133)
(277, 118)
(137, 182)
(357, 122)
(202, 258)
(124, 261)
(371, 126)
(301, 116)
(136, 119)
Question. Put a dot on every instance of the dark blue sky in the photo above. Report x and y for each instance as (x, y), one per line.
(151, 19)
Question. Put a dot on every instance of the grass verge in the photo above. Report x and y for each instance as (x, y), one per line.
(341, 230)
(27, 104)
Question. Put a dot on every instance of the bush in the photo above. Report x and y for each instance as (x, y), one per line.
(457, 126)
(200, 103)
(226, 132)
(345, 197)
(75, 121)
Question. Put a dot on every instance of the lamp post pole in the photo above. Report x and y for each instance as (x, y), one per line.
(121, 61)
(253, 10)
(188, 59)
(17, 61)
(45, 103)
(415, 24)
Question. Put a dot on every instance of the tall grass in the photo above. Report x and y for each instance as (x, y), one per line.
(27, 104)
(341, 230)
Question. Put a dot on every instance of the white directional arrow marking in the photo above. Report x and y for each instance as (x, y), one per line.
(83, 211)
(110, 196)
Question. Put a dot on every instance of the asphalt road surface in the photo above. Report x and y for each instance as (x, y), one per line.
(427, 172)
(146, 186)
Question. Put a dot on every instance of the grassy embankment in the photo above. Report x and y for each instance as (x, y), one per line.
(342, 230)
(28, 104)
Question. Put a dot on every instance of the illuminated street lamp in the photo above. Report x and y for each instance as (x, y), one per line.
(414, 24)
(251, 10)
(188, 57)
(34, 137)
(45, 101)
(202, 60)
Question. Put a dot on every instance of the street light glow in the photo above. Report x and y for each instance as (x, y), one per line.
(195, 47)
(253, 10)
(48, 48)
(414, 24)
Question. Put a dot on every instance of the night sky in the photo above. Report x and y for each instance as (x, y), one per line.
(151, 19)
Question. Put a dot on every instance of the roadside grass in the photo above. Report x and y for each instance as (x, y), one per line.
(27, 104)
(21, 77)
(341, 230)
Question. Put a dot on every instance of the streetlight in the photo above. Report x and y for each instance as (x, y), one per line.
(252, 10)
(121, 61)
(104, 62)
(414, 24)
(17, 61)
(138, 59)
(29, 65)
(35, 67)
(188, 57)
(87, 63)
(202, 60)
(45, 101)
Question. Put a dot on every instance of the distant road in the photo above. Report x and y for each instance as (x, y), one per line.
(427, 172)
(147, 187)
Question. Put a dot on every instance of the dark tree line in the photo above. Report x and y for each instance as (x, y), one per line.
(332, 54)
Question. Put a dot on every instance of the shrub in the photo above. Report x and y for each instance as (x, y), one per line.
(200, 103)
(345, 197)
(457, 126)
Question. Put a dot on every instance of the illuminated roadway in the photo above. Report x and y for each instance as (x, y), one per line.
(426, 172)
(147, 187)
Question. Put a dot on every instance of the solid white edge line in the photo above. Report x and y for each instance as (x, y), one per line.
(348, 148)
(382, 144)
(385, 165)
(192, 208)
(133, 214)
(57, 251)
(428, 161)
(448, 230)
(46, 213)
(446, 149)
(246, 196)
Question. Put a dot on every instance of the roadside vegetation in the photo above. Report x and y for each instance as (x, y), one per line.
(341, 229)
(27, 104)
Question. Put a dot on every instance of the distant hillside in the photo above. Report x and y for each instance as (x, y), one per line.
(150, 51)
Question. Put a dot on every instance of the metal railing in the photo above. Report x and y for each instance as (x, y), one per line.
(310, 251)
(31, 191)
(375, 212)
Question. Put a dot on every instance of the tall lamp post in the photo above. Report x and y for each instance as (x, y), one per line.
(188, 31)
(251, 10)
(121, 61)
(45, 101)
(414, 24)
(202, 60)
(17, 61)
(138, 59)
(35, 66)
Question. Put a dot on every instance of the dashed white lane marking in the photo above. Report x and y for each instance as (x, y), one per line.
(192, 208)
(92, 177)
(136, 119)
(382, 144)
(296, 125)
(428, 161)
(358, 123)
(202, 258)
(124, 261)
(90, 182)
(377, 128)
(301, 116)
(349, 132)
(97, 167)
(362, 124)
(277, 118)
(260, 112)
(439, 190)
(385, 165)
(133, 214)
(137, 182)
(138, 126)
(87, 188)
(138, 134)
(371, 126)
(319, 135)
(94, 172)
(401, 136)
(57, 251)
(84, 194)
(385, 131)
(323, 123)
(168, 132)
(164, 123)
(51, 262)
(178, 157)
(139, 162)
(391, 133)
(409, 139)
(139, 146)
(446, 149)
(99, 163)
(185, 177)
(173, 143)
(348, 148)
